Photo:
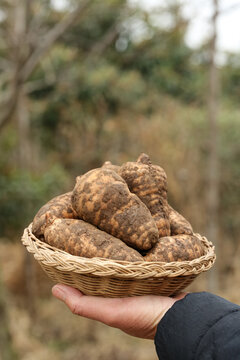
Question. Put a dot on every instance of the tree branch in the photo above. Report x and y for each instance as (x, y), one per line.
(106, 41)
(38, 85)
(23, 71)
(50, 38)
(8, 109)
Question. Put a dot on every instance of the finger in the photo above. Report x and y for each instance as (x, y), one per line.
(101, 309)
(60, 291)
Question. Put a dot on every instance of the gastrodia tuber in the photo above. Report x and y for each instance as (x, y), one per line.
(176, 248)
(179, 225)
(149, 183)
(82, 239)
(102, 198)
(60, 207)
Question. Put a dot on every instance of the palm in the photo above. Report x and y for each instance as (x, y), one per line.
(137, 316)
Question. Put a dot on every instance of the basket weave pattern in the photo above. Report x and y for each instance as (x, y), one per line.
(111, 278)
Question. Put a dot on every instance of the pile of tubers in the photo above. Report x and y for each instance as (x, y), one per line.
(119, 213)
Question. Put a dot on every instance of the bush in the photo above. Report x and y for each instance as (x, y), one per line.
(23, 193)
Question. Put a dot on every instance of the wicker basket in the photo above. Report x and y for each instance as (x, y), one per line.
(110, 278)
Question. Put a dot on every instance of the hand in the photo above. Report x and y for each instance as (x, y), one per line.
(137, 316)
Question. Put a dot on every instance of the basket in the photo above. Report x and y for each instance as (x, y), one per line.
(111, 278)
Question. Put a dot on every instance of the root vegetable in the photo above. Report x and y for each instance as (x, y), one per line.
(102, 198)
(60, 206)
(82, 239)
(176, 248)
(149, 183)
(178, 224)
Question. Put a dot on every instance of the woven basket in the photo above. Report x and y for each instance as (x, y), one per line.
(111, 278)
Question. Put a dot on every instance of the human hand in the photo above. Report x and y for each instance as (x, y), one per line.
(137, 316)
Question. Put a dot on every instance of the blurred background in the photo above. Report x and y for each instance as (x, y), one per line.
(82, 82)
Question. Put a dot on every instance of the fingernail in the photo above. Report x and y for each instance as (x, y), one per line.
(59, 292)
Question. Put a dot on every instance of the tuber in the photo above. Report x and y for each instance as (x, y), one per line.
(176, 248)
(82, 239)
(102, 198)
(60, 206)
(178, 224)
(149, 183)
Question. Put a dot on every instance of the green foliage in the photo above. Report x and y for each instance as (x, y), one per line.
(164, 60)
(104, 82)
(22, 193)
(231, 78)
(87, 33)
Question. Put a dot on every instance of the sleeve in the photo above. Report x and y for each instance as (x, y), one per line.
(202, 326)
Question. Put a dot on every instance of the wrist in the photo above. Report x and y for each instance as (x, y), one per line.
(165, 304)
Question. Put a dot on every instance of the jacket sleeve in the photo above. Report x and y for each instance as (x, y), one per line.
(202, 326)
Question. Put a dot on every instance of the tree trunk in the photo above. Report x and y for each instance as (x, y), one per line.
(22, 118)
(25, 164)
(24, 139)
(212, 195)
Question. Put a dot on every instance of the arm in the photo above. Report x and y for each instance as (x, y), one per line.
(202, 326)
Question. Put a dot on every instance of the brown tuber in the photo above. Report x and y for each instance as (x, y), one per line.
(60, 207)
(149, 183)
(176, 248)
(179, 225)
(82, 239)
(102, 198)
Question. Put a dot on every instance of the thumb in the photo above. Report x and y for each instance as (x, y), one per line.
(92, 307)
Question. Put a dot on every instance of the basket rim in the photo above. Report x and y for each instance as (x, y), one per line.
(49, 256)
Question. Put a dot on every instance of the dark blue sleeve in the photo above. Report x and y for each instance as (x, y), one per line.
(202, 326)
